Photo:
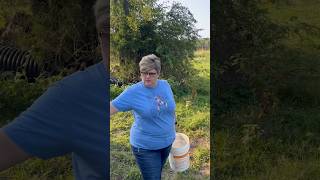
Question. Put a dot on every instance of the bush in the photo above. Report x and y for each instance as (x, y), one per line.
(116, 90)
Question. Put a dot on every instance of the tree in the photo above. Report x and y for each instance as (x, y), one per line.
(252, 62)
(245, 42)
(148, 27)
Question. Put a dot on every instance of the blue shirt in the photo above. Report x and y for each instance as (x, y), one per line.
(70, 117)
(154, 114)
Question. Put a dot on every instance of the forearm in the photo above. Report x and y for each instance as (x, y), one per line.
(10, 154)
(113, 110)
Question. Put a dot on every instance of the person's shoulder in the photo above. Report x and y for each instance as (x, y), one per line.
(135, 87)
(90, 77)
(163, 82)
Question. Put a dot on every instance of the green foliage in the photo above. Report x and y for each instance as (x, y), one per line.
(125, 73)
(116, 90)
(201, 156)
(57, 33)
(16, 94)
(10, 12)
(245, 44)
(148, 28)
(203, 43)
(254, 56)
(266, 123)
(251, 151)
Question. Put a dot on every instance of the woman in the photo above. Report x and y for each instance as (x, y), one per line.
(153, 106)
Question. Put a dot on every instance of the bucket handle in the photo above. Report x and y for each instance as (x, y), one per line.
(182, 156)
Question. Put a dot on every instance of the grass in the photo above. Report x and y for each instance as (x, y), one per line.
(300, 11)
(56, 168)
(287, 149)
(193, 112)
(284, 144)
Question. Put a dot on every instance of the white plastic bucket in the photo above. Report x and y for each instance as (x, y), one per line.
(179, 158)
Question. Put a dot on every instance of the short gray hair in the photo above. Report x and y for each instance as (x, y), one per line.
(101, 12)
(150, 62)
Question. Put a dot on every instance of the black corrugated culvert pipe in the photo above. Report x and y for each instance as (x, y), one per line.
(13, 59)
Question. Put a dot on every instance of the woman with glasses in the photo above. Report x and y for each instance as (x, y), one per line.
(153, 131)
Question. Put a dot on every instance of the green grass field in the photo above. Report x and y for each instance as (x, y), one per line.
(300, 11)
(284, 145)
(193, 116)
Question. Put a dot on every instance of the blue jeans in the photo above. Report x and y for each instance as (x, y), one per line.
(150, 162)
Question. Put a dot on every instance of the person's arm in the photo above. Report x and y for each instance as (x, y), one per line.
(171, 93)
(113, 110)
(10, 154)
(123, 102)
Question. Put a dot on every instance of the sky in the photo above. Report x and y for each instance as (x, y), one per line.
(201, 12)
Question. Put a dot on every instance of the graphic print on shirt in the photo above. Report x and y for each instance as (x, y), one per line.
(161, 103)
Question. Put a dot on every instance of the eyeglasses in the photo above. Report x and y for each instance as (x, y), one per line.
(148, 73)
